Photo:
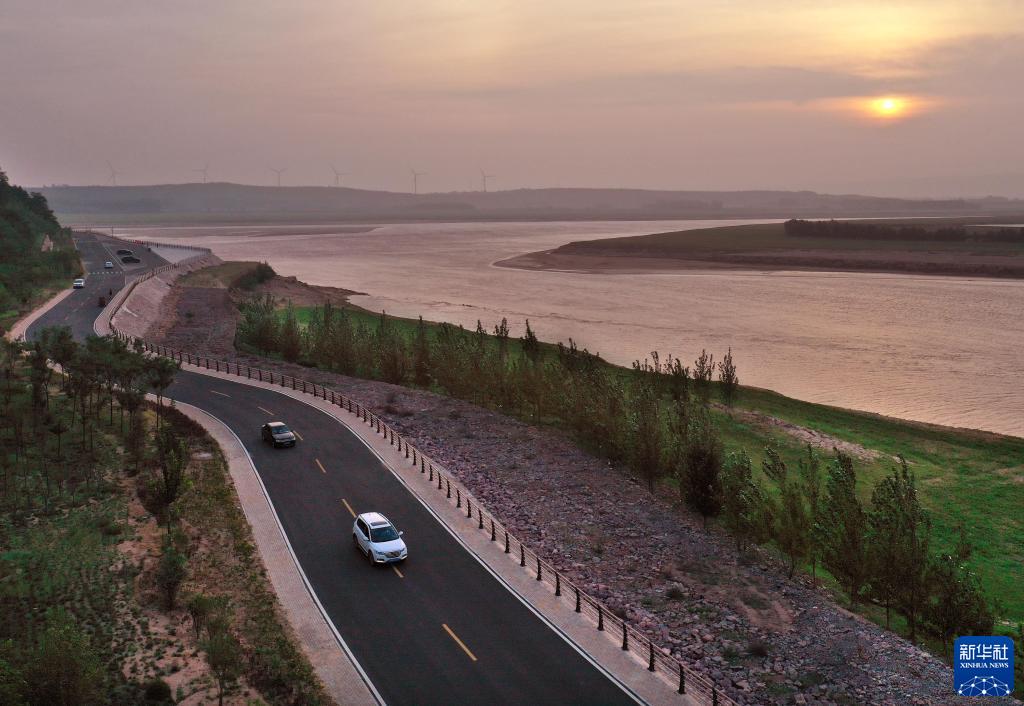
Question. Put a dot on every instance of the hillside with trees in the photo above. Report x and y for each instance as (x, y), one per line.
(37, 255)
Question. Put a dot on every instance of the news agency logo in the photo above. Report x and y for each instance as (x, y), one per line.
(983, 666)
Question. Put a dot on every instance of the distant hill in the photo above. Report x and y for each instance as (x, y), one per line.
(225, 202)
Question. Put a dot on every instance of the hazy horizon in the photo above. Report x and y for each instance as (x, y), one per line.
(910, 98)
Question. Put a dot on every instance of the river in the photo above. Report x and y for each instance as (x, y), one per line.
(936, 349)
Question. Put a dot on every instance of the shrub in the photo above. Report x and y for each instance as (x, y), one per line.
(170, 573)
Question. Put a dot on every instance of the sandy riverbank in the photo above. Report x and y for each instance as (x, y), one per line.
(592, 258)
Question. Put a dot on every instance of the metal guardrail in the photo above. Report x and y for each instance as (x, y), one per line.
(632, 640)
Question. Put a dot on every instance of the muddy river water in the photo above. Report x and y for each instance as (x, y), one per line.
(937, 349)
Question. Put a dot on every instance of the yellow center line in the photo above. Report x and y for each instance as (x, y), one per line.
(265, 410)
(348, 507)
(297, 435)
(397, 571)
(322, 469)
(460, 642)
(219, 393)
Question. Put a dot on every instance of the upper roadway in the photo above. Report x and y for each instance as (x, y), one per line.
(437, 629)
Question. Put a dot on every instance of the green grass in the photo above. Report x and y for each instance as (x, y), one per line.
(768, 237)
(963, 476)
(223, 276)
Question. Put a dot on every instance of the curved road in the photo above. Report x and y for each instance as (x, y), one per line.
(439, 630)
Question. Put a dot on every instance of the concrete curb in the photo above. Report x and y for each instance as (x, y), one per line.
(601, 648)
(20, 327)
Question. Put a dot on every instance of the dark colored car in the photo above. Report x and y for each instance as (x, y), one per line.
(278, 434)
(125, 252)
(130, 259)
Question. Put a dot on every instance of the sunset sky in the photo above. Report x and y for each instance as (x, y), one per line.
(880, 96)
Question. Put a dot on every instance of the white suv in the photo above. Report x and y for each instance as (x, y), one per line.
(375, 536)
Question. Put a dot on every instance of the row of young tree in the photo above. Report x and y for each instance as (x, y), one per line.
(881, 552)
(93, 379)
(629, 416)
(866, 230)
(58, 417)
(659, 418)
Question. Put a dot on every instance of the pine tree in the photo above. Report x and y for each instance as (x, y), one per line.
(842, 528)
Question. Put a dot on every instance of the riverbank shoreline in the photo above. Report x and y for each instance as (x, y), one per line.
(582, 259)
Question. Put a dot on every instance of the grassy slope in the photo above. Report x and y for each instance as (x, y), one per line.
(964, 475)
(67, 555)
(765, 237)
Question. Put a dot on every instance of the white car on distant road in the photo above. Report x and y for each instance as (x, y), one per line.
(108, 265)
(375, 536)
(78, 283)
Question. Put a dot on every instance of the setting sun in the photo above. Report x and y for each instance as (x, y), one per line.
(888, 107)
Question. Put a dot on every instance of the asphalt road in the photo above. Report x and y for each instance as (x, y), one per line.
(438, 630)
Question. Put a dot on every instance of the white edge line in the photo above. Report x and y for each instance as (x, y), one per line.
(557, 630)
(298, 565)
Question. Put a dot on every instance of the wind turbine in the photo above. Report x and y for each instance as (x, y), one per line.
(484, 176)
(112, 179)
(337, 175)
(415, 180)
(203, 171)
(279, 172)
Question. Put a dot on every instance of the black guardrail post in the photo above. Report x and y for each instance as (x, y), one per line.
(682, 680)
(539, 575)
(650, 664)
(507, 547)
(600, 617)
(625, 637)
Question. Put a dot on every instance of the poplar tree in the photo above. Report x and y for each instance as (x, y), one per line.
(729, 378)
(898, 541)
(290, 343)
(531, 346)
(956, 602)
(703, 470)
(421, 356)
(743, 502)
(646, 432)
(703, 369)
(810, 480)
